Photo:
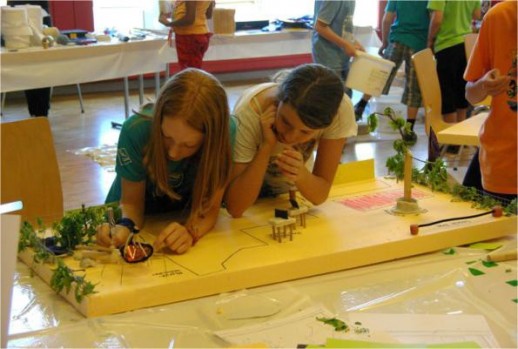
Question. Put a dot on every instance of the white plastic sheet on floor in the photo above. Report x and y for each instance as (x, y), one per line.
(457, 284)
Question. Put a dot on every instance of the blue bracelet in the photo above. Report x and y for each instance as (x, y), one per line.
(128, 223)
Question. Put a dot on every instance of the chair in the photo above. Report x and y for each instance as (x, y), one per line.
(30, 171)
(424, 64)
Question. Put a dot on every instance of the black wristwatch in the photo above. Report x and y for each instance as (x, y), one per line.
(128, 223)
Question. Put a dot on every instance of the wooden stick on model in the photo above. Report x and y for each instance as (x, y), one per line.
(407, 179)
(406, 204)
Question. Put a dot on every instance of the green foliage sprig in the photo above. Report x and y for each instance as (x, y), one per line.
(434, 174)
(29, 238)
(79, 226)
(337, 324)
(64, 278)
(76, 227)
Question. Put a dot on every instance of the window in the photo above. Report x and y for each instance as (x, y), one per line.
(126, 14)
(123, 15)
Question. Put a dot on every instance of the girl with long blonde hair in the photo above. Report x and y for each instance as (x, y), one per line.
(178, 159)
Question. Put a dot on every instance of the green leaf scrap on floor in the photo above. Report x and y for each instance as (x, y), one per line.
(475, 272)
(338, 324)
(489, 264)
(449, 251)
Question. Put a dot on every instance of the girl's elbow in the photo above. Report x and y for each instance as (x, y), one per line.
(235, 212)
(318, 201)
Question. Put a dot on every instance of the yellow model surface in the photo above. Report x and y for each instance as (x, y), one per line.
(355, 227)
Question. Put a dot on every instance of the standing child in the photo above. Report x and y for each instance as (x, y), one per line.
(404, 32)
(191, 31)
(492, 71)
(333, 43)
(450, 22)
(280, 125)
(178, 159)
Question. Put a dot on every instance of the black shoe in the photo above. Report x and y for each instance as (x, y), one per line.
(409, 137)
(453, 149)
(358, 111)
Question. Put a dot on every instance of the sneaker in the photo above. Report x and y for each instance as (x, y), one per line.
(410, 137)
(358, 111)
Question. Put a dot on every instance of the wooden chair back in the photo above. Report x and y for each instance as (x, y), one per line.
(30, 171)
(425, 67)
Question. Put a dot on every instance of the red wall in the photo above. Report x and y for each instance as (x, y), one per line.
(72, 14)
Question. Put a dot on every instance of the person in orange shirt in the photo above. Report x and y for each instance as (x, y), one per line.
(492, 71)
(188, 21)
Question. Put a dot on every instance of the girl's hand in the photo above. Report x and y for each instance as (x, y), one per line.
(267, 125)
(111, 236)
(290, 163)
(176, 237)
(163, 18)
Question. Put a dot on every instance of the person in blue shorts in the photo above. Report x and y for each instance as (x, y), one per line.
(404, 32)
(333, 42)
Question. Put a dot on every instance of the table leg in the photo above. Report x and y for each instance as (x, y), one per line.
(157, 84)
(126, 97)
(141, 89)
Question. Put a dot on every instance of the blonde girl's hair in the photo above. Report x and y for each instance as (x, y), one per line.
(198, 98)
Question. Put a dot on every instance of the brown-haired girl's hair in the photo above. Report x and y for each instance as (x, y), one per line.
(198, 98)
(315, 92)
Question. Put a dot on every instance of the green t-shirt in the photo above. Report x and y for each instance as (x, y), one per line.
(133, 139)
(456, 22)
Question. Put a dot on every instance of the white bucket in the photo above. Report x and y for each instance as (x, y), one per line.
(368, 73)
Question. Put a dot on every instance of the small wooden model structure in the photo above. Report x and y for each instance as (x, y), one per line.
(299, 214)
(282, 224)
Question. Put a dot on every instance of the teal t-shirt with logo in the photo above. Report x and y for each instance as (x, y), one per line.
(133, 139)
(410, 27)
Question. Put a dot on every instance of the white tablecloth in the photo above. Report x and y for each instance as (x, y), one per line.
(36, 67)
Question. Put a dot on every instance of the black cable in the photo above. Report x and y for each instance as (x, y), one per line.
(455, 219)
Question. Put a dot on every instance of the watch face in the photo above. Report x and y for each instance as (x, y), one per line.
(136, 252)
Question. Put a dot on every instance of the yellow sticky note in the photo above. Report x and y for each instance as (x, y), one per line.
(486, 245)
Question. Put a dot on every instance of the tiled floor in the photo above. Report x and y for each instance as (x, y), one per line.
(86, 182)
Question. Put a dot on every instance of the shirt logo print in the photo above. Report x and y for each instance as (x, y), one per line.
(176, 179)
(123, 156)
